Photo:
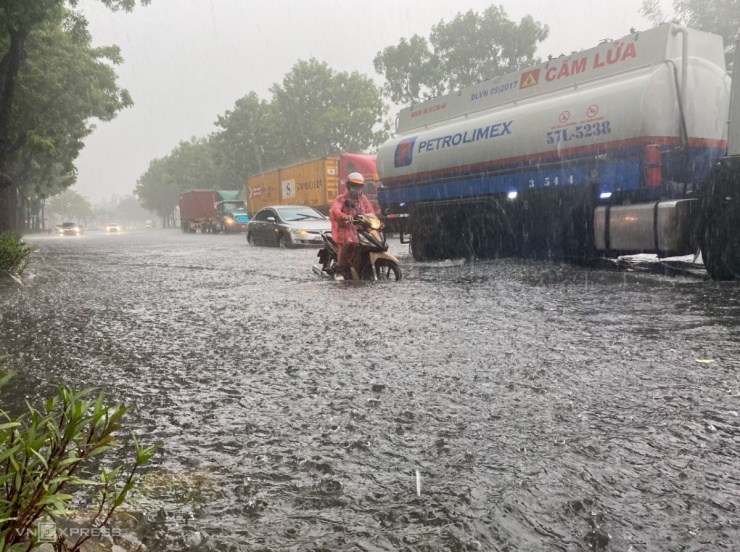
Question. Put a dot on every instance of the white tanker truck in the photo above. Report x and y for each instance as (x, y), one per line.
(632, 146)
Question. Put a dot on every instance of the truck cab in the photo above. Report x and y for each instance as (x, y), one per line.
(232, 215)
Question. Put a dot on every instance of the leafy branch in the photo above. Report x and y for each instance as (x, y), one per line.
(44, 452)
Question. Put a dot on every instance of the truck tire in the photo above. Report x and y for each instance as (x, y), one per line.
(719, 232)
(486, 237)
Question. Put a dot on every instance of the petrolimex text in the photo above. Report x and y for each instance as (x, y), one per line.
(452, 140)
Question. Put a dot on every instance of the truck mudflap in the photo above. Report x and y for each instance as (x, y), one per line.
(662, 227)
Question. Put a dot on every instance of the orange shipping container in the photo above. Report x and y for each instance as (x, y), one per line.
(262, 190)
(313, 183)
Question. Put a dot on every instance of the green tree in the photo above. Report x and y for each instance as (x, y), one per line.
(471, 48)
(64, 85)
(715, 16)
(246, 141)
(157, 190)
(315, 112)
(190, 166)
(412, 72)
(129, 209)
(19, 21)
(322, 112)
(71, 205)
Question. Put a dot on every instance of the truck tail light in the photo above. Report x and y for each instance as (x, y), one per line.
(652, 166)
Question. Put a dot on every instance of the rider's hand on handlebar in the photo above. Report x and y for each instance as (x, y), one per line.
(347, 218)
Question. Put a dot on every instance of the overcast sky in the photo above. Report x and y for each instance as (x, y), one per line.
(188, 61)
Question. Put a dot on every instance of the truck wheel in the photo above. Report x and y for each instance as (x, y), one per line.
(578, 230)
(719, 236)
(720, 247)
(417, 246)
(484, 237)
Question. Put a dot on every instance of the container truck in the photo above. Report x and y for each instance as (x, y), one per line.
(313, 183)
(631, 146)
(212, 211)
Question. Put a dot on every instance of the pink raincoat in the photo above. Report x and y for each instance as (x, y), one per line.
(345, 233)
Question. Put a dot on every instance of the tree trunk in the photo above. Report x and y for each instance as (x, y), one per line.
(8, 209)
(9, 66)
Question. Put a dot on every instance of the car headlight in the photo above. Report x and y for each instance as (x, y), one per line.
(300, 232)
(230, 221)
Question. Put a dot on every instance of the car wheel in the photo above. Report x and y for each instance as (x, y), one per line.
(250, 239)
(282, 244)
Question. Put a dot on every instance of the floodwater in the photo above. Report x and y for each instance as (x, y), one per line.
(508, 406)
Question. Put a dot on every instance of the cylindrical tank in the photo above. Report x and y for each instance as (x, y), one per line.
(607, 103)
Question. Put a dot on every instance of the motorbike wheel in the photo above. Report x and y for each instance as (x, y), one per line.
(385, 270)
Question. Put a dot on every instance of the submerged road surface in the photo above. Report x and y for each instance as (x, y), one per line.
(509, 406)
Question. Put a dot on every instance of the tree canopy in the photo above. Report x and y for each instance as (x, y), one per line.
(70, 205)
(52, 82)
(314, 112)
(471, 48)
(64, 85)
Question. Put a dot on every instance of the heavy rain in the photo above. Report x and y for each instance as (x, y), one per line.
(542, 406)
(453, 278)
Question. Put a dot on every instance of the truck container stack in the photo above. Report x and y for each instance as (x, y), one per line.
(313, 183)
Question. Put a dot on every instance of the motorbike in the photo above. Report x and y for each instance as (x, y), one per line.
(371, 260)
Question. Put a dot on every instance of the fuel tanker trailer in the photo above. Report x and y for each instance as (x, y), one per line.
(631, 146)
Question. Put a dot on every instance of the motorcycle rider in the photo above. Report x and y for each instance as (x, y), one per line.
(344, 209)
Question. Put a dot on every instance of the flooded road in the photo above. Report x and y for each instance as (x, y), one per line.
(509, 406)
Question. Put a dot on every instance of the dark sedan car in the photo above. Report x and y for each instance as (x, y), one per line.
(287, 226)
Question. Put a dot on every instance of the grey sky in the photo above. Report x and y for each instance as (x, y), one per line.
(188, 61)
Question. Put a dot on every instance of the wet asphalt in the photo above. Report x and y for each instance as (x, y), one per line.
(507, 405)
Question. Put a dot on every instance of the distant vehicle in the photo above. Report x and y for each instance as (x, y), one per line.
(312, 183)
(112, 228)
(70, 229)
(287, 226)
(149, 225)
(212, 211)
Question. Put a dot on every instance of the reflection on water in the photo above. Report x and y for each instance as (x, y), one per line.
(544, 406)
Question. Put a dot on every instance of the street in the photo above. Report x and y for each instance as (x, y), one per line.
(502, 405)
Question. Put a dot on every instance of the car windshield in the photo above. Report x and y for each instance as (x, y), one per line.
(69, 225)
(302, 213)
